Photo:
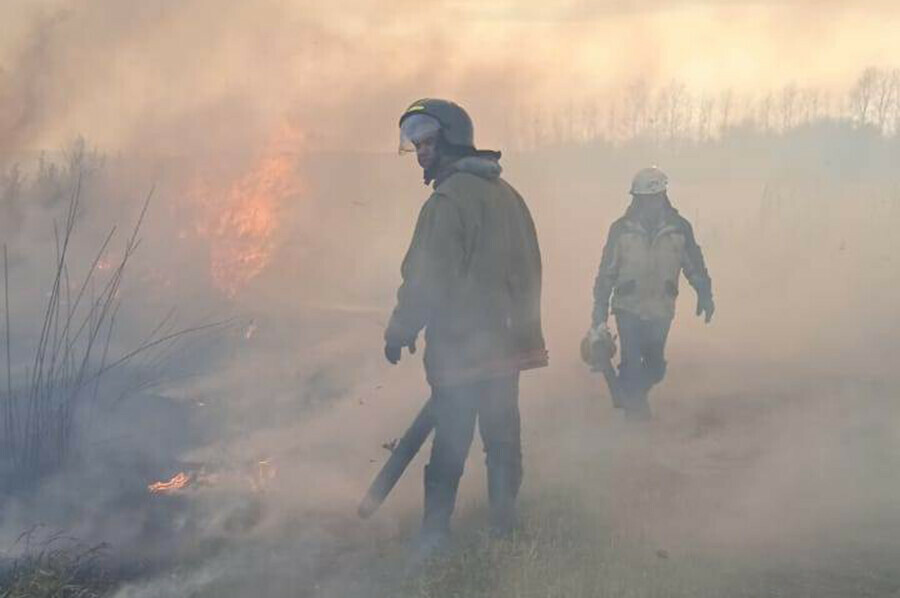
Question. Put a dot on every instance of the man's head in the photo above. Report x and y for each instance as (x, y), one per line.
(438, 131)
(648, 190)
(649, 182)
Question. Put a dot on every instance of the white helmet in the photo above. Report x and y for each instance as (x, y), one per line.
(649, 181)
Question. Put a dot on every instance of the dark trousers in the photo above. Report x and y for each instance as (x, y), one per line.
(643, 362)
(494, 404)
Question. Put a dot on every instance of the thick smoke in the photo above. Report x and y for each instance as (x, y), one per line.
(772, 432)
(187, 77)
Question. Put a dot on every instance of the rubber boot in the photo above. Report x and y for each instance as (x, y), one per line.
(636, 389)
(440, 497)
(638, 408)
(504, 480)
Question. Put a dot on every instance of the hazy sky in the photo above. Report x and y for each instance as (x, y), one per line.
(129, 74)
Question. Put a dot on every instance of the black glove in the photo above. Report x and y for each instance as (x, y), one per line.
(392, 352)
(705, 305)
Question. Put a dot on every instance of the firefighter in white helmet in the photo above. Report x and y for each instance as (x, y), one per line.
(646, 251)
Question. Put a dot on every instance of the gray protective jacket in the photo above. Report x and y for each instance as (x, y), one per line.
(472, 279)
(641, 268)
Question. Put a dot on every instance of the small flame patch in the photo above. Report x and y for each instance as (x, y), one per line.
(179, 481)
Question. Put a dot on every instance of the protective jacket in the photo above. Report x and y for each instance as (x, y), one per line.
(472, 279)
(641, 268)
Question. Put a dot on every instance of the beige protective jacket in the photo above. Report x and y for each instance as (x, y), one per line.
(472, 279)
(641, 268)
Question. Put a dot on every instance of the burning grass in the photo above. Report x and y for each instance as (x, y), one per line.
(256, 476)
(240, 221)
(179, 481)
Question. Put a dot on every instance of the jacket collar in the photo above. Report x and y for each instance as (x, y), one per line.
(485, 167)
(668, 224)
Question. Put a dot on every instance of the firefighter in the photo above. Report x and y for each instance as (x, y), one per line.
(646, 251)
(472, 282)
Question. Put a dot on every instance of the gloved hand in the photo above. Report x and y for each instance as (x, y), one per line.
(392, 352)
(705, 305)
(595, 333)
(598, 346)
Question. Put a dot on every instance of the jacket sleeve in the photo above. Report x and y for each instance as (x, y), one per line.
(607, 276)
(434, 258)
(693, 264)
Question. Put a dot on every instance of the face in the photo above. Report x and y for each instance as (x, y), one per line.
(427, 151)
(651, 201)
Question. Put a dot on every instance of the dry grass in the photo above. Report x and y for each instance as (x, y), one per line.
(55, 566)
(563, 552)
(72, 354)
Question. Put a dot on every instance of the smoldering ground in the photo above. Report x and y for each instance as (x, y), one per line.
(768, 469)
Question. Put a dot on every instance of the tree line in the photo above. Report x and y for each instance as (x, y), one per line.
(671, 115)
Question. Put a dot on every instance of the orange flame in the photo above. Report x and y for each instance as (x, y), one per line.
(178, 482)
(241, 221)
(259, 474)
